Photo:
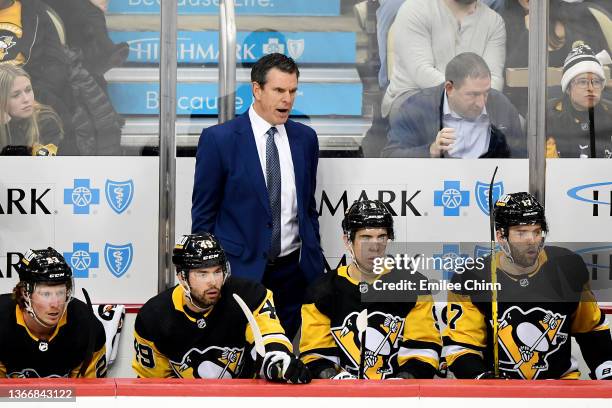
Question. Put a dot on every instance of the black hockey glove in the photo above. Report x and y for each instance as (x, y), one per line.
(490, 375)
(282, 367)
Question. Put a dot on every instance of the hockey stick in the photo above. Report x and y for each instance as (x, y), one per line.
(362, 326)
(592, 132)
(494, 311)
(257, 338)
(91, 338)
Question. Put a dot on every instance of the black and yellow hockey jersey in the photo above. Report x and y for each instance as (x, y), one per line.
(22, 355)
(402, 333)
(173, 341)
(537, 314)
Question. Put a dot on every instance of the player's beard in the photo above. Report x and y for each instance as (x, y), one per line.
(525, 255)
(203, 301)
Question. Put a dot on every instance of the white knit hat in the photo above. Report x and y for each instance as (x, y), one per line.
(581, 60)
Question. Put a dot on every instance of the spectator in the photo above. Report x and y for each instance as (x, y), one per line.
(463, 117)
(29, 39)
(385, 16)
(571, 131)
(86, 30)
(27, 126)
(429, 33)
(568, 23)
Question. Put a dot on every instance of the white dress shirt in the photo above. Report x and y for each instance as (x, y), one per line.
(290, 238)
(471, 136)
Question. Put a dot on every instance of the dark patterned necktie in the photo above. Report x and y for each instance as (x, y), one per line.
(273, 176)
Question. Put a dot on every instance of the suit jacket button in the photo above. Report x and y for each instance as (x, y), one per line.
(269, 225)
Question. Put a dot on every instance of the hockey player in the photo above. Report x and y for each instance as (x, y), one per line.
(44, 331)
(197, 330)
(543, 298)
(401, 339)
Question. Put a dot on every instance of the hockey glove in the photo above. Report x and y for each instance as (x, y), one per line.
(604, 371)
(282, 367)
(490, 375)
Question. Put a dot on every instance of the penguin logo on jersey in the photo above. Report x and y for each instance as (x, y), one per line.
(529, 339)
(382, 336)
(6, 43)
(213, 362)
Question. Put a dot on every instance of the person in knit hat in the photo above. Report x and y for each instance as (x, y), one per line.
(571, 127)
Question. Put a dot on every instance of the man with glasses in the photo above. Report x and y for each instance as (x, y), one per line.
(461, 118)
(45, 331)
(580, 122)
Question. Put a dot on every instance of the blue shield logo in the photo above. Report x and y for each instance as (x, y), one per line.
(119, 194)
(118, 258)
(482, 194)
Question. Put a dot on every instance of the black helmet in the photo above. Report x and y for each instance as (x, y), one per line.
(367, 214)
(518, 209)
(44, 266)
(199, 251)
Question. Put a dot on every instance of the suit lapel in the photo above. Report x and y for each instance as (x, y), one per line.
(297, 156)
(248, 152)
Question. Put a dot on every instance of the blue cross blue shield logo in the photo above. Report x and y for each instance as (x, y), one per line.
(118, 258)
(450, 252)
(81, 196)
(119, 194)
(481, 191)
(452, 198)
(81, 259)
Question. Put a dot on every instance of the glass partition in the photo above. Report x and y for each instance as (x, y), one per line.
(85, 90)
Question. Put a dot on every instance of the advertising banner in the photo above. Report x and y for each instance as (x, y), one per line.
(142, 98)
(251, 7)
(99, 212)
(203, 47)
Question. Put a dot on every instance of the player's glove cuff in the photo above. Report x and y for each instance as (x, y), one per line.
(282, 367)
(604, 371)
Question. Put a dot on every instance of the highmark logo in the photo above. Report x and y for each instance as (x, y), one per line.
(600, 195)
(82, 259)
(452, 198)
(450, 252)
(81, 196)
(119, 194)
(598, 259)
(118, 258)
(481, 192)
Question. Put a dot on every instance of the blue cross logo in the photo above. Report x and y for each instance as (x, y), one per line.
(81, 259)
(81, 196)
(452, 198)
(449, 252)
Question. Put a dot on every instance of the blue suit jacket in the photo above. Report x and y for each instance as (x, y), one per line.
(230, 198)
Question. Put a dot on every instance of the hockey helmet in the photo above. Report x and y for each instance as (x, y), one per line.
(43, 266)
(518, 209)
(199, 251)
(367, 214)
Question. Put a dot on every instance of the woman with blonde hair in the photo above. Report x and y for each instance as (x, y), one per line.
(26, 126)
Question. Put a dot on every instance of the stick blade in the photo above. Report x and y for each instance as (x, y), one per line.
(259, 345)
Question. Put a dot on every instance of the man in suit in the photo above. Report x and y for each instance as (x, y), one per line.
(254, 187)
